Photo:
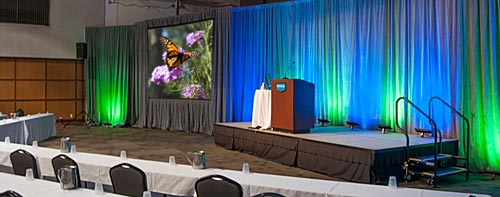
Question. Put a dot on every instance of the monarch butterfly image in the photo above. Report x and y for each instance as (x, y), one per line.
(174, 57)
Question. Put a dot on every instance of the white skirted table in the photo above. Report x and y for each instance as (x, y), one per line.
(26, 129)
(179, 180)
(261, 114)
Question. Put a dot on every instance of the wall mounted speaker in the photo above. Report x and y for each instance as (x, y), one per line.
(81, 50)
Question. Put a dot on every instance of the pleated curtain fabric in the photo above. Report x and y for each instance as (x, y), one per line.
(110, 56)
(361, 55)
(364, 54)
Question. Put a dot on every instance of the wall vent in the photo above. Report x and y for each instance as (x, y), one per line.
(34, 12)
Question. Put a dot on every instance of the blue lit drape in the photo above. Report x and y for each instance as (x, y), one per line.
(348, 49)
(364, 54)
(361, 55)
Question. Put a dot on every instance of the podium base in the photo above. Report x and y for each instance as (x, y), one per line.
(292, 131)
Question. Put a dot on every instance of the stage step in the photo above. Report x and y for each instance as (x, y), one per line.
(441, 172)
(429, 159)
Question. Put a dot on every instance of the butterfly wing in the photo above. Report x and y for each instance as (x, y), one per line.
(185, 56)
(174, 57)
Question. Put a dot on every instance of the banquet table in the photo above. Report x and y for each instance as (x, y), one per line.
(180, 179)
(14, 129)
(354, 189)
(39, 187)
(26, 129)
(95, 167)
(261, 113)
(3, 116)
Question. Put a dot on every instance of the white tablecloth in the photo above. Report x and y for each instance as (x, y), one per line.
(14, 129)
(26, 129)
(161, 177)
(261, 114)
(180, 179)
(256, 183)
(39, 187)
(355, 189)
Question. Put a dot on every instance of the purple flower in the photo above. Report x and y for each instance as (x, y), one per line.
(164, 56)
(194, 91)
(162, 74)
(181, 50)
(195, 37)
(175, 74)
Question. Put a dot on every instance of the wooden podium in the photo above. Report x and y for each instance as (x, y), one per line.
(292, 105)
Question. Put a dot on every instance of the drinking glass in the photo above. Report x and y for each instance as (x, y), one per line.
(123, 154)
(73, 149)
(35, 144)
(171, 160)
(98, 188)
(29, 174)
(146, 194)
(7, 140)
(246, 168)
(393, 184)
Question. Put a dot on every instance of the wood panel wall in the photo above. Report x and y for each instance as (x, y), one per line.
(40, 85)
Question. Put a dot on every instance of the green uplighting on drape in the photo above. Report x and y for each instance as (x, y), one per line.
(107, 69)
(481, 83)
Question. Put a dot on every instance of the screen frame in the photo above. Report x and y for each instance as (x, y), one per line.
(212, 58)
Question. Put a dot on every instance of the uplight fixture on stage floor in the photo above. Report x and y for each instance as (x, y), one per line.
(423, 132)
(384, 128)
(323, 122)
(351, 124)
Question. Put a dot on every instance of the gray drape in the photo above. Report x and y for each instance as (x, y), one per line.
(107, 73)
(188, 115)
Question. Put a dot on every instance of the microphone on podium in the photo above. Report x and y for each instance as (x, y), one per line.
(288, 69)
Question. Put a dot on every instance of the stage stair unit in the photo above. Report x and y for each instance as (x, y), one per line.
(439, 164)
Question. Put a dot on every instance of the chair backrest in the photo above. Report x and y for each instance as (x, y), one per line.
(268, 194)
(10, 193)
(128, 180)
(22, 160)
(20, 112)
(60, 161)
(217, 185)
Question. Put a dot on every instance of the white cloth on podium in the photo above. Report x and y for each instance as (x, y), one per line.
(261, 114)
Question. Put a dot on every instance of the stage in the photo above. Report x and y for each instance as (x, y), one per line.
(365, 156)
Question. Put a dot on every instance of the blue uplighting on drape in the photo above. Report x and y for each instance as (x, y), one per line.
(361, 55)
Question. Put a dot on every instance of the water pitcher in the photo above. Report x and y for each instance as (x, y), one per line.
(68, 177)
(65, 145)
(197, 159)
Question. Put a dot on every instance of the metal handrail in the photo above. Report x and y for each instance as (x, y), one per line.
(466, 145)
(431, 122)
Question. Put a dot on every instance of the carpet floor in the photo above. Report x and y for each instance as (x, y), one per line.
(158, 145)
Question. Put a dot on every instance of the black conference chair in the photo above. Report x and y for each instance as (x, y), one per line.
(20, 112)
(22, 160)
(268, 194)
(60, 161)
(218, 185)
(128, 180)
(10, 193)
